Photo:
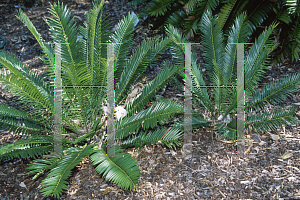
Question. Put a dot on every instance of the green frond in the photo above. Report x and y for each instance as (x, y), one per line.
(197, 12)
(293, 7)
(121, 169)
(41, 165)
(48, 51)
(177, 49)
(258, 14)
(123, 35)
(158, 112)
(176, 18)
(56, 182)
(239, 33)
(272, 119)
(213, 48)
(295, 43)
(191, 27)
(274, 92)
(134, 69)
(95, 37)
(8, 111)
(158, 7)
(33, 147)
(255, 61)
(199, 90)
(282, 13)
(213, 52)
(29, 86)
(196, 122)
(149, 90)
(149, 138)
(225, 12)
(64, 31)
(22, 125)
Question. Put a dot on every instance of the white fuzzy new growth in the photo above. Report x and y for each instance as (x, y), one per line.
(120, 112)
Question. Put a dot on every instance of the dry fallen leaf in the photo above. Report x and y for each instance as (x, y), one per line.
(22, 184)
(262, 143)
(274, 137)
(106, 190)
(245, 182)
(287, 155)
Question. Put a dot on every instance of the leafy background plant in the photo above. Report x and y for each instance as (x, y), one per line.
(187, 14)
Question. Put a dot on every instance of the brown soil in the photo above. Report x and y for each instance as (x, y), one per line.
(268, 171)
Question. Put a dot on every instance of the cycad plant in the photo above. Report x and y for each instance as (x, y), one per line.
(220, 62)
(84, 77)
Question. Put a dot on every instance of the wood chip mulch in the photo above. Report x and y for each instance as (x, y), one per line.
(269, 170)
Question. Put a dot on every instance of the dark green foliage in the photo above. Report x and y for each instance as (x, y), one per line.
(187, 15)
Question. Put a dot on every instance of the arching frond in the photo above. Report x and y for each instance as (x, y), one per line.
(30, 87)
(274, 92)
(255, 61)
(121, 169)
(149, 90)
(225, 12)
(33, 147)
(123, 43)
(158, 112)
(158, 7)
(64, 32)
(56, 182)
(168, 137)
(273, 119)
(135, 66)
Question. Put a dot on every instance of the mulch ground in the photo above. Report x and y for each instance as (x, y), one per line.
(269, 170)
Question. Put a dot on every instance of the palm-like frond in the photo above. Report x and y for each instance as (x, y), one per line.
(294, 6)
(176, 18)
(258, 14)
(168, 137)
(30, 87)
(177, 49)
(64, 32)
(196, 13)
(213, 51)
(123, 42)
(159, 7)
(56, 182)
(255, 61)
(295, 43)
(47, 49)
(135, 67)
(238, 34)
(149, 90)
(41, 165)
(33, 147)
(274, 92)
(272, 119)
(225, 12)
(196, 122)
(158, 112)
(200, 90)
(121, 169)
(212, 45)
